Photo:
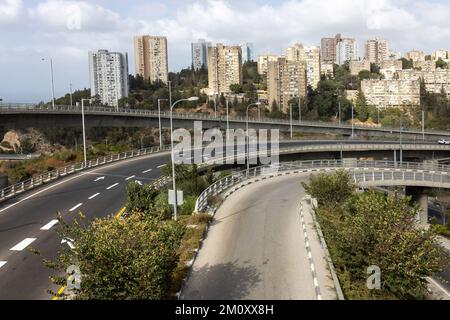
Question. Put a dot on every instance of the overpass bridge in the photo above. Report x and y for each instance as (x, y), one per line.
(15, 116)
(365, 174)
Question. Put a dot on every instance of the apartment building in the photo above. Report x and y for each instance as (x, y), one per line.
(286, 79)
(327, 69)
(356, 66)
(263, 62)
(311, 57)
(199, 52)
(396, 64)
(108, 75)
(391, 93)
(151, 59)
(247, 52)
(328, 49)
(427, 65)
(415, 55)
(224, 68)
(439, 54)
(435, 80)
(346, 50)
(377, 50)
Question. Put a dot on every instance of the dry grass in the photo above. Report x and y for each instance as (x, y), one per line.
(189, 243)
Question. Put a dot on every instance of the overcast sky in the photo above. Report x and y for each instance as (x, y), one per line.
(67, 30)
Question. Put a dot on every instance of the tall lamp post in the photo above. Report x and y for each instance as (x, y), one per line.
(84, 129)
(256, 104)
(159, 119)
(353, 121)
(52, 82)
(175, 205)
(228, 122)
(290, 112)
(71, 99)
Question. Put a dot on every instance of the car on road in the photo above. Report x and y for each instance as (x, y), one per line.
(443, 141)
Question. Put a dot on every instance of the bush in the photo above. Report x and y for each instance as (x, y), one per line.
(188, 207)
(122, 259)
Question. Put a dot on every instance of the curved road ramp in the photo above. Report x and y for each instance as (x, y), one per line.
(262, 245)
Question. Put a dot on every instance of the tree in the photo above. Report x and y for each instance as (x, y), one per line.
(361, 107)
(332, 189)
(236, 88)
(441, 64)
(121, 259)
(407, 64)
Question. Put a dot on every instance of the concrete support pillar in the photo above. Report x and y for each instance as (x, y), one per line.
(418, 196)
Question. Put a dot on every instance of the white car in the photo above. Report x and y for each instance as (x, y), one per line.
(443, 141)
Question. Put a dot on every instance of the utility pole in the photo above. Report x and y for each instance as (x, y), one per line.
(71, 100)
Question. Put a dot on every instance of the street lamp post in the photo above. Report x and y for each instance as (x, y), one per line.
(228, 122)
(247, 136)
(353, 121)
(71, 100)
(290, 112)
(401, 142)
(423, 125)
(175, 205)
(299, 109)
(52, 82)
(84, 129)
(159, 119)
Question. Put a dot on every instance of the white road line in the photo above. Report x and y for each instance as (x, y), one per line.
(147, 171)
(2, 263)
(114, 185)
(23, 244)
(76, 207)
(99, 178)
(49, 225)
(162, 166)
(55, 185)
(438, 285)
(93, 196)
(129, 178)
(316, 283)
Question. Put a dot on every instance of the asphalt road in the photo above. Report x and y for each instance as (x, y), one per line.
(22, 274)
(256, 249)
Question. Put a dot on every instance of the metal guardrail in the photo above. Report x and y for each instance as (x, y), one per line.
(49, 176)
(53, 175)
(23, 108)
(362, 172)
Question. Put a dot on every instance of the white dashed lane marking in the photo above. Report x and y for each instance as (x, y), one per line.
(76, 207)
(99, 178)
(114, 185)
(93, 196)
(49, 225)
(162, 166)
(23, 244)
(147, 171)
(2, 263)
(129, 178)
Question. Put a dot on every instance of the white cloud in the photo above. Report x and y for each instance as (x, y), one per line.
(10, 10)
(73, 15)
(44, 27)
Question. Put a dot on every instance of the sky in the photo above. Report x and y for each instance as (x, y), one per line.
(66, 30)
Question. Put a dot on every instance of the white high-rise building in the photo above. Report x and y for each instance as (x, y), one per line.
(247, 52)
(346, 50)
(108, 74)
(200, 53)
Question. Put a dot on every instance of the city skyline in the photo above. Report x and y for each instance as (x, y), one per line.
(102, 27)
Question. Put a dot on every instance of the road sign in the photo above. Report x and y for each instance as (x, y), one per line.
(180, 199)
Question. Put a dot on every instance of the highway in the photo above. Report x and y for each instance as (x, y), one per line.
(256, 248)
(24, 276)
(28, 220)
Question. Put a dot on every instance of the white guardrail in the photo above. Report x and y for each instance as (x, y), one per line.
(363, 172)
(50, 176)
(24, 108)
